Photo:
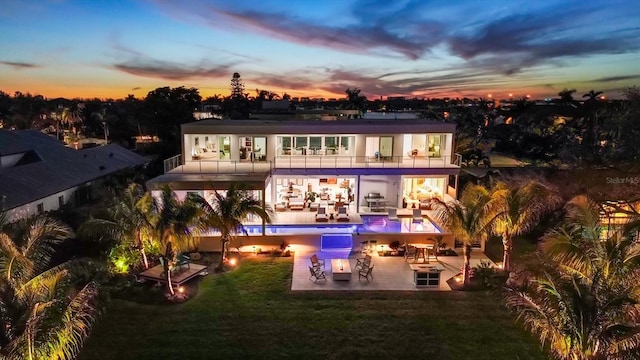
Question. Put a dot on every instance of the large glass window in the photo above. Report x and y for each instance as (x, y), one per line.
(347, 145)
(315, 145)
(418, 191)
(301, 141)
(283, 145)
(331, 145)
(225, 147)
(260, 148)
(207, 147)
(435, 144)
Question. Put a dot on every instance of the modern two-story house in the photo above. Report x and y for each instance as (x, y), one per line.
(368, 165)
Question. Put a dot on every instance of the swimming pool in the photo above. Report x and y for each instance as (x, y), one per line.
(371, 224)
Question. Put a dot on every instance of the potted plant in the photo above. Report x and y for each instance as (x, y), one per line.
(311, 196)
(395, 248)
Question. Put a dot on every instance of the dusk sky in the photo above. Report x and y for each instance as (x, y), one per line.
(66, 48)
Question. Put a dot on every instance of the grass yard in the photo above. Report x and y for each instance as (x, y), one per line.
(250, 313)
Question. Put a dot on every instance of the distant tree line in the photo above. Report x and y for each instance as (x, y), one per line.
(564, 131)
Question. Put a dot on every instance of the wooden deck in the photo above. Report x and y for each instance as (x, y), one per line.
(178, 277)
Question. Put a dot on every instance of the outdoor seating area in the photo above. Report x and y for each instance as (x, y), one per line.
(386, 273)
(414, 252)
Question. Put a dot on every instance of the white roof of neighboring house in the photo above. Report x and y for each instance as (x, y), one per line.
(48, 167)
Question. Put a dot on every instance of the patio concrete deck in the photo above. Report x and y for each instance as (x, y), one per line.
(390, 273)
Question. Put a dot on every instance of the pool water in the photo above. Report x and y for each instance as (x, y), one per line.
(371, 224)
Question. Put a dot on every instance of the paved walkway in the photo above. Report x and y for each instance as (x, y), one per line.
(389, 272)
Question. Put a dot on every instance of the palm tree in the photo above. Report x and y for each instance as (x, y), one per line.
(592, 95)
(467, 219)
(581, 318)
(517, 209)
(591, 122)
(566, 96)
(226, 211)
(582, 245)
(125, 221)
(172, 222)
(586, 303)
(43, 314)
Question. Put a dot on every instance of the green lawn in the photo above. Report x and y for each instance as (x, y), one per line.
(249, 313)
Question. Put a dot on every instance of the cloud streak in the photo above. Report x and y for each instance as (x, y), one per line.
(170, 70)
(617, 78)
(19, 65)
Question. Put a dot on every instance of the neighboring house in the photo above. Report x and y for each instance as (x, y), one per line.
(39, 173)
(614, 215)
(369, 164)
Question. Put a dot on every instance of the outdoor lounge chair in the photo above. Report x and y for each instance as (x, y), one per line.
(342, 214)
(366, 273)
(315, 262)
(393, 214)
(417, 215)
(321, 215)
(363, 263)
(316, 274)
(182, 260)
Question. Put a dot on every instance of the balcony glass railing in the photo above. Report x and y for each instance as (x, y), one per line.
(175, 165)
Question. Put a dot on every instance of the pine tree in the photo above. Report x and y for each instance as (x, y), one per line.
(237, 86)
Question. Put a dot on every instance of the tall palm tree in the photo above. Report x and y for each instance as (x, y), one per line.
(516, 209)
(171, 219)
(173, 222)
(586, 304)
(226, 211)
(125, 221)
(468, 219)
(45, 312)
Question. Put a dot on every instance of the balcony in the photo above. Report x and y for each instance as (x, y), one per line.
(175, 165)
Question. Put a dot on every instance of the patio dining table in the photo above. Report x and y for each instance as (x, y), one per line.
(423, 250)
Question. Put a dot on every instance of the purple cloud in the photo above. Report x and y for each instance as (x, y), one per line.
(171, 71)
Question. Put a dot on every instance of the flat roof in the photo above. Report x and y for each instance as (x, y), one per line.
(182, 181)
(350, 126)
